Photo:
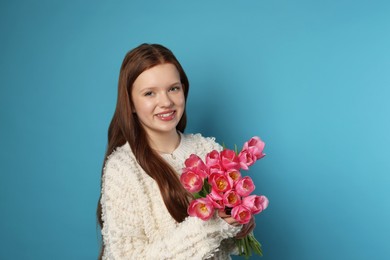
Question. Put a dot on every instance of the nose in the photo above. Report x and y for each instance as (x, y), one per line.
(165, 100)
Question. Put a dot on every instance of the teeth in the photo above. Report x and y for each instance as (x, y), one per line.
(165, 115)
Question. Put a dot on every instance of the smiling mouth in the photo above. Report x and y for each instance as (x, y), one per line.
(166, 116)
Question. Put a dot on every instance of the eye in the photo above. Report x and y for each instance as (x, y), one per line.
(175, 88)
(149, 93)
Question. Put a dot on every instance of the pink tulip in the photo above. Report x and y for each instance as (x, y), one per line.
(201, 208)
(234, 175)
(213, 159)
(216, 199)
(231, 199)
(246, 159)
(255, 203)
(242, 214)
(219, 182)
(191, 180)
(245, 186)
(229, 160)
(195, 162)
(216, 170)
(255, 146)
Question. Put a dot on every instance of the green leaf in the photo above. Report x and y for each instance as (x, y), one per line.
(197, 195)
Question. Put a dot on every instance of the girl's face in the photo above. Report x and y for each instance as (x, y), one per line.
(158, 99)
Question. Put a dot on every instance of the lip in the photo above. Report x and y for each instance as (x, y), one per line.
(166, 115)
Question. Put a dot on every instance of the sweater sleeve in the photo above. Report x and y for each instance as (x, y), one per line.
(124, 234)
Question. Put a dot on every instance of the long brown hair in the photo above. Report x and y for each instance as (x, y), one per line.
(125, 127)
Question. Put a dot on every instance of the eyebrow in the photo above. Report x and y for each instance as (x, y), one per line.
(156, 87)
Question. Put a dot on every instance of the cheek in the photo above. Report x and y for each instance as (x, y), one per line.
(180, 100)
(142, 106)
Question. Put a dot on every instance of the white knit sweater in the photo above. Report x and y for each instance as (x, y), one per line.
(136, 223)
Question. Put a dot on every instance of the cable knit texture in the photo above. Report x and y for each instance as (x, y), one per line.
(136, 223)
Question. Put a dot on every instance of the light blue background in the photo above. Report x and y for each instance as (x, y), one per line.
(310, 77)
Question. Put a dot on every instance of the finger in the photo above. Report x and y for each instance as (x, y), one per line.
(231, 221)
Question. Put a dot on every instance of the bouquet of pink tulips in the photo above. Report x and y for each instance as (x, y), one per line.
(217, 183)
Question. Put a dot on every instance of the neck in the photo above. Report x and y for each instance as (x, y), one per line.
(165, 143)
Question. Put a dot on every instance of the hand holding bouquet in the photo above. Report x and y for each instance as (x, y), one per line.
(217, 183)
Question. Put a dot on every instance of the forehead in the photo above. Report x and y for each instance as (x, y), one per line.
(158, 76)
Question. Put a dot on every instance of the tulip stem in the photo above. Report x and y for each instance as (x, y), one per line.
(247, 245)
